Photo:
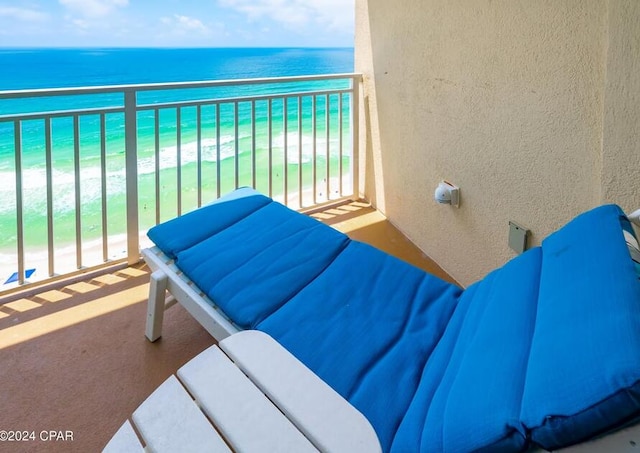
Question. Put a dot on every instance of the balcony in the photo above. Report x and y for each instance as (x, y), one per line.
(513, 101)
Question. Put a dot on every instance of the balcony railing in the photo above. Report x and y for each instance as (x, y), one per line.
(84, 172)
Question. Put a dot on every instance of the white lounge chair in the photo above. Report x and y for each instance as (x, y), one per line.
(248, 394)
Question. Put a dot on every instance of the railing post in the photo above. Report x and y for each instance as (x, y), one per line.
(17, 131)
(356, 83)
(131, 182)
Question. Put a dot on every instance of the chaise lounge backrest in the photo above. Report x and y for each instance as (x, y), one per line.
(583, 375)
(544, 350)
(470, 394)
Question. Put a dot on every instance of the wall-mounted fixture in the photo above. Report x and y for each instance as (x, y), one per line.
(447, 193)
(518, 237)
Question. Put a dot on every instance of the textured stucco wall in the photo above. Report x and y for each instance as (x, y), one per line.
(621, 128)
(518, 102)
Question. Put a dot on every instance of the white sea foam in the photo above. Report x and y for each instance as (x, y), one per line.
(189, 154)
(34, 189)
(34, 180)
(293, 147)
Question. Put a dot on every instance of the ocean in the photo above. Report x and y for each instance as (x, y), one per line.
(55, 68)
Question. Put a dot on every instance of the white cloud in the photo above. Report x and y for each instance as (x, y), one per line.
(181, 24)
(81, 24)
(23, 14)
(331, 15)
(93, 8)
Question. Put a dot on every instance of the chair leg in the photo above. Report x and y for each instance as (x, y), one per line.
(155, 306)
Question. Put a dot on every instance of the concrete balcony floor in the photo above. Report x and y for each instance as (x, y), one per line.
(75, 358)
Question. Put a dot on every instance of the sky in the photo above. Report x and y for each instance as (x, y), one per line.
(176, 23)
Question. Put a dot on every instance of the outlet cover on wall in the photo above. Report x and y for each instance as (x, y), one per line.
(518, 237)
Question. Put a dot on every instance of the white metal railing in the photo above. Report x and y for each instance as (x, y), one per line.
(84, 171)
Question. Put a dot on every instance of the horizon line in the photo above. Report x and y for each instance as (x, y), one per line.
(166, 47)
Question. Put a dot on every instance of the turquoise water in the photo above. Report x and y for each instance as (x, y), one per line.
(96, 67)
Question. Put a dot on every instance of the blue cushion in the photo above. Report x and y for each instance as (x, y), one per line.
(470, 394)
(584, 367)
(255, 265)
(183, 232)
(366, 326)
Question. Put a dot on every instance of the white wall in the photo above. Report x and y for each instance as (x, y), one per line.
(531, 107)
